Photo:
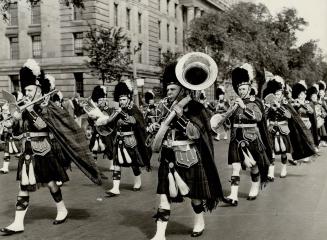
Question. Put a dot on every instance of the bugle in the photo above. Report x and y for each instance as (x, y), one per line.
(219, 119)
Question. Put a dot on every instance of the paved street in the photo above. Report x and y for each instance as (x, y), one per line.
(290, 208)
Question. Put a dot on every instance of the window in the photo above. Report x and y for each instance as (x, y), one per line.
(13, 14)
(159, 29)
(160, 54)
(79, 83)
(128, 46)
(140, 52)
(78, 44)
(77, 13)
(168, 32)
(159, 7)
(128, 19)
(140, 22)
(36, 46)
(168, 3)
(176, 35)
(176, 8)
(14, 80)
(35, 13)
(14, 52)
(116, 14)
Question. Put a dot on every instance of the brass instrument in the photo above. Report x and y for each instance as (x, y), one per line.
(13, 105)
(93, 111)
(219, 119)
(195, 71)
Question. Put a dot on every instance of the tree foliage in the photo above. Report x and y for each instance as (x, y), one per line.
(5, 5)
(108, 55)
(167, 58)
(249, 33)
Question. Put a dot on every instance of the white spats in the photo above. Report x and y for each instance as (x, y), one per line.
(61, 211)
(283, 171)
(254, 190)
(271, 172)
(5, 167)
(137, 182)
(161, 231)
(234, 193)
(18, 224)
(115, 187)
(198, 222)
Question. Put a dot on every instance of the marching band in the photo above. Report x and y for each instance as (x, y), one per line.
(46, 135)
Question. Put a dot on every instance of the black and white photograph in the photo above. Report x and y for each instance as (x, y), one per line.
(163, 119)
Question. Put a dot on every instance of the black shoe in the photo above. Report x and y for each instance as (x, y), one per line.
(8, 232)
(251, 198)
(197, 234)
(283, 176)
(57, 222)
(4, 172)
(271, 179)
(136, 189)
(232, 202)
(111, 194)
(292, 162)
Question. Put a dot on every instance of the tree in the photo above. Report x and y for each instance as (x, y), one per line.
(167, 58)
(248, 33)
(5, 5)
(107, 51)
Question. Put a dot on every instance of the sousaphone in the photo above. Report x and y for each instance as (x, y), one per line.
(196, 71)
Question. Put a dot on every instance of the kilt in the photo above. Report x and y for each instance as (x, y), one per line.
(47, 168)
(134, 155)
(194, 177)
(285, 138)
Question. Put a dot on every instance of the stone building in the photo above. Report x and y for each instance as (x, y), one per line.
(52, 33)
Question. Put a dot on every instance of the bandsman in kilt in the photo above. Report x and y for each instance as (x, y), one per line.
(306, 113)
(9, 133)
(186, 154)
(129, 138)
(100, 142)
(222, 106)
(320, 113)
(150, 108)
(247, 148)
(51, 140)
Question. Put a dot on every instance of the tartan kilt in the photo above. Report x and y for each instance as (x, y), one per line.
(286, 139)
(194, 177)
(47, 168)
(107, 141)
(322, 133)
(133, 153)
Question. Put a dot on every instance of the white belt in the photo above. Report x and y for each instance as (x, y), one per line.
(245, 125)
(35, 134)
(279, 123)
(125, 133)
(177, 143)
(305, 118)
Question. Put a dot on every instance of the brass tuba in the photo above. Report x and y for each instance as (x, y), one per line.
(196, 71)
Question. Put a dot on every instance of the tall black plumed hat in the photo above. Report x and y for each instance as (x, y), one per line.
(31, 74)
(311, 90)
(98, 92)
(220, 91)
(122, 89)
(298, 88)
(148, 96)
(272, 87)
(242, 75)
(169, 75)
